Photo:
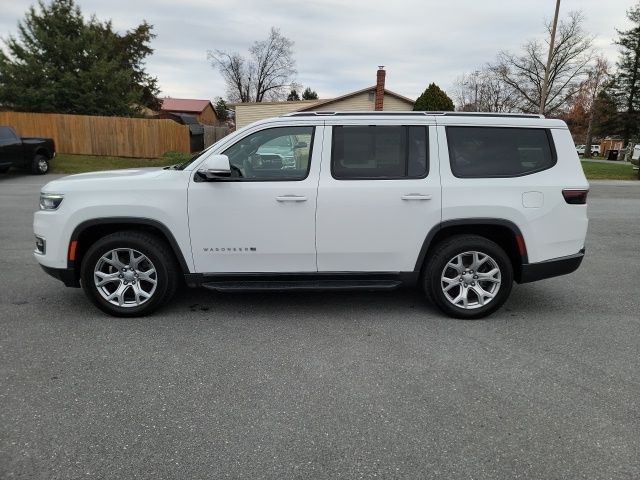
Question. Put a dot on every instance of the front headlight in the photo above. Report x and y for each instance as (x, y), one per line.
(50, 201)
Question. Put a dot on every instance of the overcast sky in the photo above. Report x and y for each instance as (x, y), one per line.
(339, 43)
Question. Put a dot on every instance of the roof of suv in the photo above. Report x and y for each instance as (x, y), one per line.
(441, 118)
(413, 113)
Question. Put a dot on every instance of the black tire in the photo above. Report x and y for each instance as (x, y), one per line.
(161, 259)
(39, 165)
(449, 249)
(4, 169)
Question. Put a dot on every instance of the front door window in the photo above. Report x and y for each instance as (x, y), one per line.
(281, 153)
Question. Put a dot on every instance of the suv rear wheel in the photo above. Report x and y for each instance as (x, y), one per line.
(129, 274)
(468, 276)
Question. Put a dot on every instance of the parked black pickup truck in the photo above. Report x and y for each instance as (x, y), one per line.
(32, 153)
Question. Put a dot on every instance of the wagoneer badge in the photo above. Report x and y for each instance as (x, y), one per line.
(229, 249)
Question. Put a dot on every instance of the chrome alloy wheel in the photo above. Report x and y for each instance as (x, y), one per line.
(125, 277)
(43, 165)
(470, 280)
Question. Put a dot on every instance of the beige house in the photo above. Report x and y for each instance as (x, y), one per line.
(375, 97)
(250, 112)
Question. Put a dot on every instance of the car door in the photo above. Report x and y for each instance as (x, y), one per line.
(379, 195)
(262, 219)
(10, 147)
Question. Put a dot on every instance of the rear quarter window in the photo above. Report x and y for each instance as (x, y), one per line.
(487, 152)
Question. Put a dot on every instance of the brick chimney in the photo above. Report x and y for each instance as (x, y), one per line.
(380, 87)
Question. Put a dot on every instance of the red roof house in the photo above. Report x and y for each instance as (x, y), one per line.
(202, 109)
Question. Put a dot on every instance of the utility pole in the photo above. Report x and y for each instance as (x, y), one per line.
(475, 77)
(545, 84)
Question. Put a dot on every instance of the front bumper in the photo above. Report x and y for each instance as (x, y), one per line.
(50, 225)
(532, 272)
(66, 275)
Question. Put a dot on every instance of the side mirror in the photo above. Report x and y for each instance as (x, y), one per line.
(300, 145)
(215, 167)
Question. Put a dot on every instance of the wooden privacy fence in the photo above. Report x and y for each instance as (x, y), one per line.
(89, 135)
(213, 134)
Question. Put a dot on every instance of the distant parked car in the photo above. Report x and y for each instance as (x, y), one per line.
(635, 156)
(285, 149)
(32, 153)
(595, 150)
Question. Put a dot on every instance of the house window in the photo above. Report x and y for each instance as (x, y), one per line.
(372, 95)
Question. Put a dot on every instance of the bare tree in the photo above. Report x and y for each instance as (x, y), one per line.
(525, 72)
(233, 68)
(465, 93)
(484, 91)
(267, 73)
(597, 77)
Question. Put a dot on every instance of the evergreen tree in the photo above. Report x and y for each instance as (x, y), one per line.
(607, 120)
(222, 110)
(434, 99)
(61, 62)
(293, 96)
(309, 94)
(627, 80)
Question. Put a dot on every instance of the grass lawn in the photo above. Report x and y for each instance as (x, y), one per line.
(609, 171)
(64, 163)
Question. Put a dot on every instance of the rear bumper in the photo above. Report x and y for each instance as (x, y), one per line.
(532, 272)
(65, 275)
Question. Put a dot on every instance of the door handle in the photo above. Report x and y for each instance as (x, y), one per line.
(291, 198)
(415, 196)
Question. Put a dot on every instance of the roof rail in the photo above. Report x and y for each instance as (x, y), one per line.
(415, 114)
(492, 114)
(309, 114)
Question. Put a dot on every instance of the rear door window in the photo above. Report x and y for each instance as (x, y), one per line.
(485, 152)
(379, 152)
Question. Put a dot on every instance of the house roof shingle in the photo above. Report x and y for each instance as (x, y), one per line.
(329, 101)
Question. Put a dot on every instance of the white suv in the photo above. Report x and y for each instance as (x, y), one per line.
(595, 150)
(460, 204)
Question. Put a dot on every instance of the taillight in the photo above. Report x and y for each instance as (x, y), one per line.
(522, 248)
(575, 197)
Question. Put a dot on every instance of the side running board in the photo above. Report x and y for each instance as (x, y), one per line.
(301, 285)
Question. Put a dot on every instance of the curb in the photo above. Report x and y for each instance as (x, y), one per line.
(615, 183)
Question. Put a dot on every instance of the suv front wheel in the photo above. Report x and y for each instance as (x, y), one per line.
(129, 274)
(468, 276)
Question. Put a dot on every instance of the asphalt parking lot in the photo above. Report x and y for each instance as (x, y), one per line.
(357, 385)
